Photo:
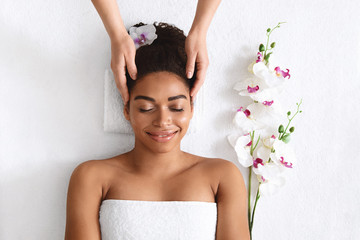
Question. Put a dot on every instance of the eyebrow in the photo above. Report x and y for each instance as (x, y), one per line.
(153, 100)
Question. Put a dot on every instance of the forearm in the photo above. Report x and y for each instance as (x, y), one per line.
(205, 12)
(111, 18)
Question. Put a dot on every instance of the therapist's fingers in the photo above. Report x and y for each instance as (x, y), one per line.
(120, 78)
(202, 63)
(201, 67)
(122, 58)
(197, 58)
(190, 64)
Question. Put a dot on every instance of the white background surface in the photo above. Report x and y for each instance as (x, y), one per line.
(52, 63)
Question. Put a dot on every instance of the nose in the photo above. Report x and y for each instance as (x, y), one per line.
(162, 118)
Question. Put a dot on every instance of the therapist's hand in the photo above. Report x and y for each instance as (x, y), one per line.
(123, 56)
(196, 51)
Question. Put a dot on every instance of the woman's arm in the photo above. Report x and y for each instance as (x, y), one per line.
(231, 198)
(83, 203)
(122, 46)
(195, 44)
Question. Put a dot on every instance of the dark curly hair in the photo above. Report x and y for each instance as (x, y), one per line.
(165, 53)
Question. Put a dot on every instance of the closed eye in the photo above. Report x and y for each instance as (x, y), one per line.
(177, 109)
(145, 110)
(172, 109)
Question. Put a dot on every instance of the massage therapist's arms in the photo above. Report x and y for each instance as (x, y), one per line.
(232, 223)
(83, 202)
(122, 46)
(195, 45)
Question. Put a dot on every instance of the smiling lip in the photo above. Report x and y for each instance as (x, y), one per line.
(162, 136)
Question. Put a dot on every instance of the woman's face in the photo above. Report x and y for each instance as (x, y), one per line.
(159, 111)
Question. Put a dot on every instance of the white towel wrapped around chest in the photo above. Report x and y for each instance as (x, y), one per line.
(157, 220)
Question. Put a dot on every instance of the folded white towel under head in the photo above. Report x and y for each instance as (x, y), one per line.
(114, 120)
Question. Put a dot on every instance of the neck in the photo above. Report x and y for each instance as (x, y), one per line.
(157, 164)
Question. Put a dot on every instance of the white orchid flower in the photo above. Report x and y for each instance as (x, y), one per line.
(262, 152)
(242, 149)
(283, 155)
(143, 35)
(268, 140)
(265, 85)
(250, 67)
(270, 187)
(267, 172)
(267, 94)
(250, 87)
(267, 113)
(232, 139)
(272, 78)
(244, 120)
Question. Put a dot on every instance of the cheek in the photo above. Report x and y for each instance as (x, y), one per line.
(137, 120)
(182, 119)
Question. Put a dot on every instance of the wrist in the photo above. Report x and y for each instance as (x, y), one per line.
(198, 30)
(118, 35)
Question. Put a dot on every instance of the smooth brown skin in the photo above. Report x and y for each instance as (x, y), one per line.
(155, 171)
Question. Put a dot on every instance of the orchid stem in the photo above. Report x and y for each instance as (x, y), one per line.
(291, 120)
(253, 213)
(249, 195)
(257, 143)
(268, 38)
(252, 134)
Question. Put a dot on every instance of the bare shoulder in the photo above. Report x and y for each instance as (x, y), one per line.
(99, 169)
(98, 164)
(229, 169)
(88, 178)
(85, 194)
(230, 178)
(216, 170)
(88, 168)
(231, 181)
(222, 163)
(231, 199)
(91, 170)
(83, 202)
(221, 167)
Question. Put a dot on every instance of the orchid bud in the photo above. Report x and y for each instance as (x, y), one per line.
(261, 48)
(268, 30)
(286, 138)
(292, 129)
(281, 129)
(273, 45)
(288, 113)
(267, 56)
